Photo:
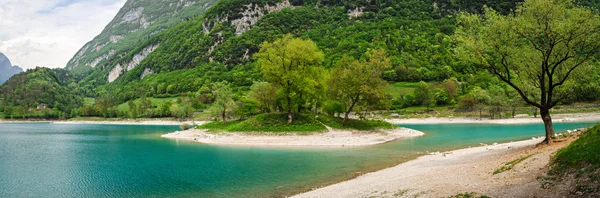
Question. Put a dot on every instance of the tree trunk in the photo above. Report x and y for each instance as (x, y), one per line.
(289, 107)
(513, 112)
(545, 113)
(224, 118)
(350, 109)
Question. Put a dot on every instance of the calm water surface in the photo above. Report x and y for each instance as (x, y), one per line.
(64, 160)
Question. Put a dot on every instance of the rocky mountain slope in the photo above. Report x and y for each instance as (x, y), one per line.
(7, 70)
(136, 23)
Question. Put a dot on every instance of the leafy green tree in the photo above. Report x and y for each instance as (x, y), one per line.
(165, 108)
(178, 111)
(292, 64)
(132, 109)
(265, 94)
(440, 96)
(223, 100)
(535, 50)
(245, 108)
(333, 107)
(354, 82)
(423, 95)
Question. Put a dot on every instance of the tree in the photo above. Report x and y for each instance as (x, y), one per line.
(292, 65)
(265, 94)
(353, 82)
(333, 107)
(223, 100)
(535, 50)
(423, 95)
(132, 109)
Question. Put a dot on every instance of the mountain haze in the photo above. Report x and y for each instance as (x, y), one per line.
(7, 70)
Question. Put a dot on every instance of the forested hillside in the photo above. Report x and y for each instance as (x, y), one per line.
(40, 93)
(136, 23)
(185, 50)
(415, 33)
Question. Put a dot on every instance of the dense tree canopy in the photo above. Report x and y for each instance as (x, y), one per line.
(293, 65)
(535, 51)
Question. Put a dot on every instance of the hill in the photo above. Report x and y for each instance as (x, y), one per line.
(7, 70)
(222, 41)
(40, 92)
(133, 25)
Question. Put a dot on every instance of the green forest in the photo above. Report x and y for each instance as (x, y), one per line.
(410, 50)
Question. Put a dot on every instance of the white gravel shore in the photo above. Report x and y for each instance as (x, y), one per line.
(450, 173)
(579, 117)
(333, 138)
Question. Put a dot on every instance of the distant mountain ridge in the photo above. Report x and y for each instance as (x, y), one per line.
(7, 70)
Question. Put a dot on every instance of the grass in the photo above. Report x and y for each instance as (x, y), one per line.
(581, 159)
(303, 124)
(155, 102)
(269, 123)
(89, 101)
(400, 88)
(510, 165)
(363, 125)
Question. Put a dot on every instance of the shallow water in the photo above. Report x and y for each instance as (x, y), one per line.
(65, 160)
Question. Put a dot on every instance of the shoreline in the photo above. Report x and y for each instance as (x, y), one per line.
(110, 122)
(333, 138)
(443, 174)
(556, 118)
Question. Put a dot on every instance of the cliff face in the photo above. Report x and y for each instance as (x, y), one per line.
(134, 26)
(7, 70)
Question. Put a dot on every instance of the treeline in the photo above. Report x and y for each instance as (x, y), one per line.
(40, 93)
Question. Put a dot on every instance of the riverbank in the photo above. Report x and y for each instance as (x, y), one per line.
(450, 173)
(579, 117)
(332, 138)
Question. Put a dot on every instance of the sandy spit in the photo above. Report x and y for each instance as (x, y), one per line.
(333, 138)
(579, 117)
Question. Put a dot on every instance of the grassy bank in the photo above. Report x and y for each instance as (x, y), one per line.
(581, 159)
(302, 124)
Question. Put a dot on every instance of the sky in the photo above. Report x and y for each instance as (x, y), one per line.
(49, 32)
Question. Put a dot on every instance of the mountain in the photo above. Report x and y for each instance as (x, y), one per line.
(219, 45)
(133, 26)
(7, 70)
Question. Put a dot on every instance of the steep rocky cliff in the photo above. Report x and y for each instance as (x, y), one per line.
(134, 26)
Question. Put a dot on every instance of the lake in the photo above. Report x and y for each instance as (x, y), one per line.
(72, 160)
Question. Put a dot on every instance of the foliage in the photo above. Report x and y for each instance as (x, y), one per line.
(291, 64)
(361, 125)
(224, 103)
(333, 107)
(39, 93)
(423, 95)
(535, 50)
(270, 123)
(360, 83)
(184, 126)
(510, 165)
(265, 94)
(581, 156)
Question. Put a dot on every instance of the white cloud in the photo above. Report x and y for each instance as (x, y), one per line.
(49, 32)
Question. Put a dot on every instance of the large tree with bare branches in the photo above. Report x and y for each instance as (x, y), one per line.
(535, 50)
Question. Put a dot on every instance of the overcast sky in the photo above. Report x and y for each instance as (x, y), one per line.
(49, 32)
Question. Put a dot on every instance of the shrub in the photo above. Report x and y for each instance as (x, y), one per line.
(184, 126)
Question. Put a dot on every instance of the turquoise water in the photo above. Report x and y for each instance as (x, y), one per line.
(55, 160)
